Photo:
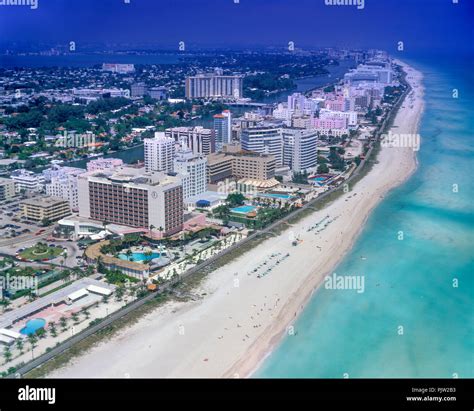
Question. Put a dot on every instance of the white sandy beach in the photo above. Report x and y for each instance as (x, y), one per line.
(236, 324)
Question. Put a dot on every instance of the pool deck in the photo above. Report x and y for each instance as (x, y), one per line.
(11, 317)
(93, 252)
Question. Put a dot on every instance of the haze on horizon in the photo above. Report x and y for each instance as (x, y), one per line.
(422, 25)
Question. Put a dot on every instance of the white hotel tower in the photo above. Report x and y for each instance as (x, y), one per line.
(159, 153)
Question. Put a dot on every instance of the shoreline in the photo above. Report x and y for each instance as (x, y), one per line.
(249, 317)
(246, 371)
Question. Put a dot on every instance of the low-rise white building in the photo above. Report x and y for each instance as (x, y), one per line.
(27, 181)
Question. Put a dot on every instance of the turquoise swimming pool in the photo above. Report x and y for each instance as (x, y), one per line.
(281, 196)
(32, 326)
(138, 256)
(243, 209)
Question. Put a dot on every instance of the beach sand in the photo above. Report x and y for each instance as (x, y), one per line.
(241, 317)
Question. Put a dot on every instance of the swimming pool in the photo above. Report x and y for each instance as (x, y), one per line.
(139, 256)
(282, 196)
(32, 326)
(243, 209)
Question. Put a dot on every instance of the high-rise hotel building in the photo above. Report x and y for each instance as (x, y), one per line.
(222, 129)
(192, 170)
(300, 151)
(264, 140)
(132, 197)
(214, 85)
(198, 139)
(159, 153)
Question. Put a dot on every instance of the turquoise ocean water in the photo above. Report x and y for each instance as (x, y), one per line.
(408, 283)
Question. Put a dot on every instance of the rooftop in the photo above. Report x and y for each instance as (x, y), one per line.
(44, 201)
(133, 176)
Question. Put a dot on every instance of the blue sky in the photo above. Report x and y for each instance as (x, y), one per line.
(421, 24)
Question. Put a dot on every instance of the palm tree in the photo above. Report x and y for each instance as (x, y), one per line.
(19, 345)
(86, 313)
(89, 271)
(75, 317)
(151, 229)
(52, 329)
(148, 254)
(161, 229)
(66, 275)
(40, 333)
(77, 272)
(129, 255)
(63, 323)
(7, 354)
(6, 303)
(100, 264)
(119, 293)
(32, 339)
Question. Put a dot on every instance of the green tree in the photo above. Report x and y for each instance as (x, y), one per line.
(75, 317)
(52, 329)
(32, 339)
(7, 354)
(235, 199)
(19, 345)
(323, 168)
(40, 333)
(63, 323)
(86, 313)
(119, 293)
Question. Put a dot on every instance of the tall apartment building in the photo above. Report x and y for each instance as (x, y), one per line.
(159, 153)
(7, 189)
(192, 170)
(237, 163)
(222, 129)
(299, 149)
(214, 85)
(198, 139)
(263, 140)
(132, 197)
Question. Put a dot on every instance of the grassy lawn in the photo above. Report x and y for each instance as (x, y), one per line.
(41, 252)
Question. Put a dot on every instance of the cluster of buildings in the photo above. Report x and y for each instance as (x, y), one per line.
(118, 68)
(88, 95)
(335, 112)
(184, 165)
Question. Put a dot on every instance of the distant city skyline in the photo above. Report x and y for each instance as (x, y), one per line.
(424, 24)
